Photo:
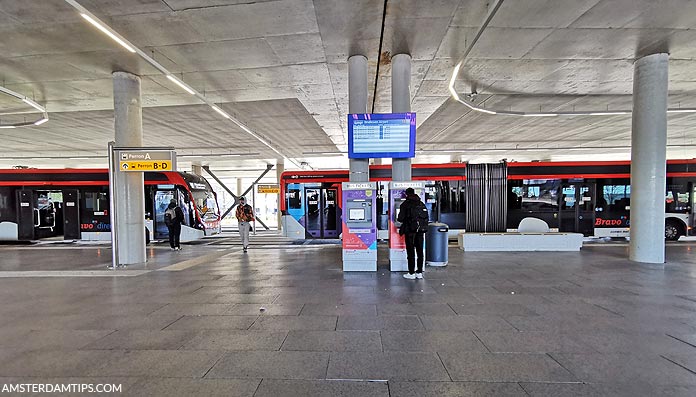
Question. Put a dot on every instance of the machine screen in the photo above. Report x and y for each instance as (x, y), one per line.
(356, 214)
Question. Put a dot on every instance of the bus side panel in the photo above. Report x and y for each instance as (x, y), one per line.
(294, 220)
(8, 214)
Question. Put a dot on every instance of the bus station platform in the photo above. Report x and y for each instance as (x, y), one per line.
(284, 320)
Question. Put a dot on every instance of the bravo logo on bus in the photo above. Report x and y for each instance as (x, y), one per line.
(621, 222)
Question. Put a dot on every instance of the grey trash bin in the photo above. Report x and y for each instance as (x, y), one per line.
(436, 244)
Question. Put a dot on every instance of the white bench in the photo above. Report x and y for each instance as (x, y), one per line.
(520, 241)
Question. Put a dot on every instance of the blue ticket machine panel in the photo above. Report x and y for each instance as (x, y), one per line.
(359, 226)
(397, 244)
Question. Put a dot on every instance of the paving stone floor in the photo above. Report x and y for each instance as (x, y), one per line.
(286, 321)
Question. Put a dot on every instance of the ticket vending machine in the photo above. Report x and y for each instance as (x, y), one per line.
(397, 244)
(359, 226)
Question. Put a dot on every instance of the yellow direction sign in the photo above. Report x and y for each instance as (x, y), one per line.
(146, 160)
(268, 189)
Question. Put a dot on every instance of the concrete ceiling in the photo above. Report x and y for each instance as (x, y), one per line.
(281, 67)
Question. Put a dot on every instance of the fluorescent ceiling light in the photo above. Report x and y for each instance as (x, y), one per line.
(681, 110)
(79, 158)
(181, 84)
(540, 115)
(107, 32)
(33, 104)
(217, 109)
(606, 113)
(39, 122)
(485, 111)
(7, 126)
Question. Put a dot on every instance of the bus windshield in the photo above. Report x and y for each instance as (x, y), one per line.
(206, 204)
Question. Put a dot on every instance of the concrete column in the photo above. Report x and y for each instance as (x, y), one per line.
(648, 159)
(239, 187)
(357, 103)
(280, 168)
(401, 103)
(130, 192)
(197, 169)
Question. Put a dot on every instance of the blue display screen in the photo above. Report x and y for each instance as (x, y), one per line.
(390, 135)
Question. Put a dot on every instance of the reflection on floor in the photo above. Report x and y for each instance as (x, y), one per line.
(286, 321)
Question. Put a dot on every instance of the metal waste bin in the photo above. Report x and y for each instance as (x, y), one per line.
(436, 244)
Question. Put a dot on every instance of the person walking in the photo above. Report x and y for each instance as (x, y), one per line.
(413, 216)
(173, 218)
(245, 214)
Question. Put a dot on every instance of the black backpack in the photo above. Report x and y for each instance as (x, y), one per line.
(417, 218)
(169, 216)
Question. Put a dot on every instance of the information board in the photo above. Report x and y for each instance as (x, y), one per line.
(146, 160)
(390, 135)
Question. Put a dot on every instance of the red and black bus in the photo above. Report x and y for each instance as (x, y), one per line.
(592, 198)
(74, 204)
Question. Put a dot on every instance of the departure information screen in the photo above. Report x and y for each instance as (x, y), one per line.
(382, 135)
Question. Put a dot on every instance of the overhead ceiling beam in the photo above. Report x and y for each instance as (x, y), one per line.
(458, 66)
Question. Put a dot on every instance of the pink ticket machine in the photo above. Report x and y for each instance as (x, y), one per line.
(359, 220)
(397, 244)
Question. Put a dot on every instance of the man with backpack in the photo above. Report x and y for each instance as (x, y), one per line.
(173, 218)
(244, 214)
(413, 216)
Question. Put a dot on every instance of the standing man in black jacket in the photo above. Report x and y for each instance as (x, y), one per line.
(173, 218)
(413, 216)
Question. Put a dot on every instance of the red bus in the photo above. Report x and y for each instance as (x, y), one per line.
(592, 198)
(73, 204)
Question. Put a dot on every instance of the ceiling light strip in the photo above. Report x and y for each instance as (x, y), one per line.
(181, 84)
(534, 149)
(108, 31)
(28, 101)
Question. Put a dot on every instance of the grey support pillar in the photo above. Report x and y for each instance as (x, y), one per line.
(280, 168)
(130, 195)
(401, 103)
(357, 103)
(197, 169)
(648, 159)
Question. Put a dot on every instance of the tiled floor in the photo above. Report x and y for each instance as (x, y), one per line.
(286, 321)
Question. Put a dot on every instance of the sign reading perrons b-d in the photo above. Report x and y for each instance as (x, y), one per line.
(146, 160)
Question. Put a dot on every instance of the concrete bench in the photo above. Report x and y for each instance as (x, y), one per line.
(520, 241)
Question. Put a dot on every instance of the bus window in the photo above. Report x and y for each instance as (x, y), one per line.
(616, 197)
(677, 199)
(540, 195)
(294, 199)
(206, 204)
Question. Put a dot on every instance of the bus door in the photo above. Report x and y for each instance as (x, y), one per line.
(330, 205)
(576, 214)
(71, 215)
(321, 216)
(26, 215)
(162, 200)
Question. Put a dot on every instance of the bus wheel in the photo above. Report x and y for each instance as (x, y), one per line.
(672, 231)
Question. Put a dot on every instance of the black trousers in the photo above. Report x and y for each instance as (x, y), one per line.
(174, 234)
(414, 245)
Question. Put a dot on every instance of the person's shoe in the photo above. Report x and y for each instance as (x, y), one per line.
(245, 249)
(173, 249)
(419, 275)
(178, 248)
(410, 276)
